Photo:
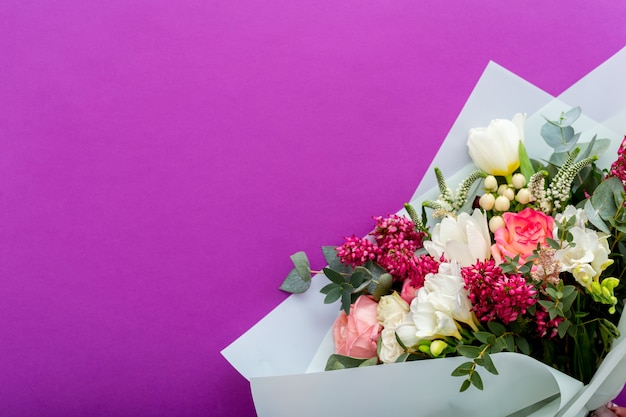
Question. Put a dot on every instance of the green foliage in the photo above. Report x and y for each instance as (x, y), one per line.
(299, 278)
(345, 362)
(560, 134)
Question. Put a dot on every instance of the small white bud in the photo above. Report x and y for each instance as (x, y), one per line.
(509, 193)
(487, 201)
(502, 203)
(495, 223)
(502, 189)
(518, 181)
(523, 196)
(491, 183)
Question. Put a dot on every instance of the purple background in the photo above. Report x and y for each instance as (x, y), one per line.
(160, 161)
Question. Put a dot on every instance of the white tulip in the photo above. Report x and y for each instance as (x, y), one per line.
(495, 148)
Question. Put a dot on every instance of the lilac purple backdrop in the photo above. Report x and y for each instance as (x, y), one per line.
(160, 161)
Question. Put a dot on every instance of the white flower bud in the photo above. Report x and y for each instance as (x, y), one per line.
(502, 189)
(491, 183)
(495, 223)
(523, 196)
(509, 193)
(518, 181)
(502, 203)
(487, 201)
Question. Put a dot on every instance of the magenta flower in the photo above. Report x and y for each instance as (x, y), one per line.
(618, 168)
(545, 326)
(496, 295)
(393, 229)
(356, 251)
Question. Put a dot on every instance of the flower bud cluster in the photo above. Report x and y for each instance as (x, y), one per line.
(501, 198)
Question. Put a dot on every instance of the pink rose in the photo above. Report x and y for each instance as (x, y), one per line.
(521, 233)
(357, 334)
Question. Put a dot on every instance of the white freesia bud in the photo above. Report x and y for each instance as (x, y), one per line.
(502, 203)
(495, 223)
(490, 183)
(523, 196)
(518, 181)
(495, 148)
(487, 201)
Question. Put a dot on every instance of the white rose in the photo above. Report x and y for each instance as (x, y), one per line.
(391, 309)
(495, 148)
(465, 239)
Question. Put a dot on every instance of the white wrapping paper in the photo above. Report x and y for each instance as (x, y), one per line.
(282, 355)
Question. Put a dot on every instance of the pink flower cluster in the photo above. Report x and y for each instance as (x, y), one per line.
(546, 326)
(394, 246)
(618, 168)
(496, 295)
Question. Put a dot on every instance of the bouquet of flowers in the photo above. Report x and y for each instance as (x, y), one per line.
(527, 255)
(543, 290)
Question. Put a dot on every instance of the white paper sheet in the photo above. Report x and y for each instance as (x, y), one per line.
(277, 352)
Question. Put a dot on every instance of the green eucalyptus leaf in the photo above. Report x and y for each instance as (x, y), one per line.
(333, 295)
(476, 380)
(488, 364)
(496, 328)
(384, 286)
(510, 342)
(593, 215)
(302, 265)
(468, 351)
(463, 369)
(326, 289)
(357, 278)
(369, 362)
(334, 276)
(294, 283)
(465, 385)
(554, 244)
(346, 299)
(561, 139)
(563, 326)
(570, 116)
(522, 345)
(344, 362)
(607, 196)
(484, 337)
(572, 331)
